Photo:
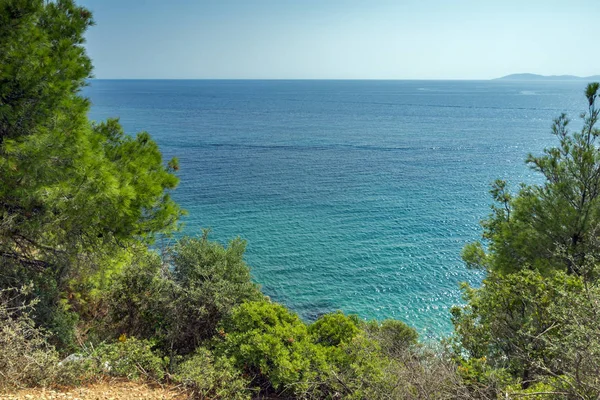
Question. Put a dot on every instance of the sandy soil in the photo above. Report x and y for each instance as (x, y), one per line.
(99, 391)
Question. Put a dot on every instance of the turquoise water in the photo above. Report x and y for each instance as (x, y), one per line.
(353, 195)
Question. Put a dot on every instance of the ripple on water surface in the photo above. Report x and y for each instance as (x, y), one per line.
(353, 195)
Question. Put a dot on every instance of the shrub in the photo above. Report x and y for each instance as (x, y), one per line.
(131, 358)
(513, 319)
(26, 358)
(270, 344)
(78, 369)
(393, 335)
(334, 329)
(140, 299)
(180, 307)
(354, 370)
(333, 358)
(211, 281)
(210, 378)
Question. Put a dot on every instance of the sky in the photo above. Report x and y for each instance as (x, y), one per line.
(342, 39)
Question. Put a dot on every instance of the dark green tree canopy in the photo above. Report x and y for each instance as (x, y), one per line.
(74, 194)
(549, 226)
(43, 64)
(532, 317)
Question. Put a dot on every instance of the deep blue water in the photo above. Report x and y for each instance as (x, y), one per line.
(353, 195)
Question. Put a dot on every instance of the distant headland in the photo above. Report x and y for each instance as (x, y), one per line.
(535, 77)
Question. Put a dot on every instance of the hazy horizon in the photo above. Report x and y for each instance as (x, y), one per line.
(316, 79)
(346, 40)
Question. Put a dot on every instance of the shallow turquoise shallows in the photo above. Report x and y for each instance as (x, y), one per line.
(352, 195)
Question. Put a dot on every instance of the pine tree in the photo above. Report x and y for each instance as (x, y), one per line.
(73, 193)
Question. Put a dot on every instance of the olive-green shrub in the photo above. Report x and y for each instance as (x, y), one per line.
(26, 358)
(131, 358)
(207, 377)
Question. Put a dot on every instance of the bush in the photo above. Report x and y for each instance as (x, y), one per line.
(332, 358)
(131, 358)
(78, 369)
(512, 320)
(210, 378)
(211, 280)
(334, 329)
(140, 299)
(181, 306)
(26, 358)
(394, 336)
(354, 370)
(269, 344)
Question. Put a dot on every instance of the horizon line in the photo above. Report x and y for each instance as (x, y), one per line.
(553, 78)
(295, 79)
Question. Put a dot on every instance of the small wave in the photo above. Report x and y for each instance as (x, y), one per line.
(335, 146)
(428, 105)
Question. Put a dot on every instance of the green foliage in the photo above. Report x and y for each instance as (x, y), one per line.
(210, 378)
(576, 342)
(334, 329)
(26, 358)
(73, 194)
(532, 316)
(394, 336)
(269, 344)
(482, 380)
(210, 280)
(508, 320)
(526, 230)
(43, 63)
(180, 304)
(131, 358)
(62, 326)
(139, 300)
(539, 390)
(357, 370)
(331, 358)
(474, 256)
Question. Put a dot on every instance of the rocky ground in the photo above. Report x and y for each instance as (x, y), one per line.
(100, 391)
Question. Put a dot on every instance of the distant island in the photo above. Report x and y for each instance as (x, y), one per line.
(535, 77)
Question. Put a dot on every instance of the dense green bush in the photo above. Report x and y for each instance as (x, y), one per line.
(531, 320)
(210, 378)
(131, 358)
(394, 336)
(507, 322)
(270, 344)
(332, 358)
(354, 370)
(210, 281)
(180, 299)
(334, 329)
(538, 329)
(139, 300)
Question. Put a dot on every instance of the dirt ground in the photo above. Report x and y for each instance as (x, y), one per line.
(99, 391)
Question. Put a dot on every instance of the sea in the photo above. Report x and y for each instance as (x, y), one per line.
(352, 195)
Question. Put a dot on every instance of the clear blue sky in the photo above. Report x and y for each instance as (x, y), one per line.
(343, 39)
